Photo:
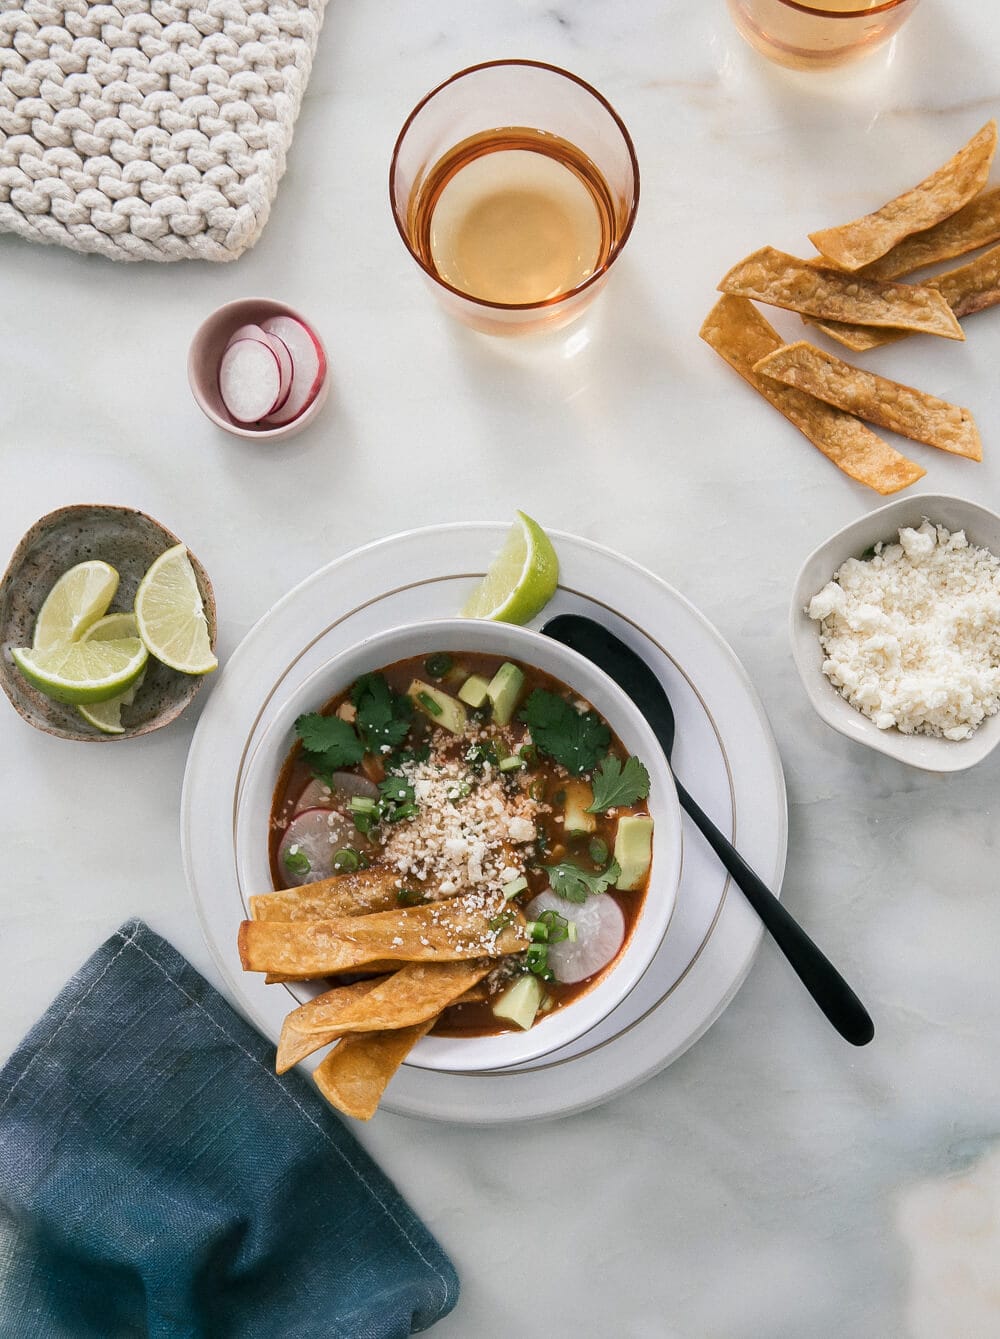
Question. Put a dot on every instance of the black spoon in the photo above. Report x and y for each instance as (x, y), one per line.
(819, 976)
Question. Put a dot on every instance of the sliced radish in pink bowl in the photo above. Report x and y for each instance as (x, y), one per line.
(249, 380)
(258, 369)
(308, 362)
(280, 350)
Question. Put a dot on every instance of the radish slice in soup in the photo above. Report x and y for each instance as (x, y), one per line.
(600, 933)
(346, 783)
(322, 795)
(317, 795)
(310, 842)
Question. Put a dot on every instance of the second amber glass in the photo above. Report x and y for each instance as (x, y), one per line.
(817, 34)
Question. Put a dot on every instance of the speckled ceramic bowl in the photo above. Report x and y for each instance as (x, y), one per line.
(128, 540)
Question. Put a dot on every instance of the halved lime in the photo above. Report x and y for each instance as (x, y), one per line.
(521, 579)
(83, 671)
(107, 716)
(77, 600)
(171, 616)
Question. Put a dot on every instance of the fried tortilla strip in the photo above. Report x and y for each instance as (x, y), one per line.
(737, 331)
(415, 992)
(356, 894)
(412, 995)
(785, 281)
(967, 289)
(438, 932)
(938, 196)
(289, 1052)
(375, 968)
(978, 224)
(295, 1046)
(858, 338)
(889, 404)
(357, 1071)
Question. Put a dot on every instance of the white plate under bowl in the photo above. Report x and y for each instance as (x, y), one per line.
(725, 755)
(928, 752)
(455, 636)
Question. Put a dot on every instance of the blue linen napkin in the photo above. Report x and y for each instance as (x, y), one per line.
(158, 1179)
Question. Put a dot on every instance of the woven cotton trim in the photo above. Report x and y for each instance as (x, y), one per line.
(149, 129)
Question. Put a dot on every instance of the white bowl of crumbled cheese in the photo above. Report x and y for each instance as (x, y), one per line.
(895, 627)
(595, 690)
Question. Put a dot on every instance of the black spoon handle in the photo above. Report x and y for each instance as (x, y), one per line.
(816, 972)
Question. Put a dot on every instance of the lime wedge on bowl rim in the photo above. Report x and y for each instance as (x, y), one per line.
(171, 616)
(75, 602)
(82, 672)
(521, 579)
(107, 716)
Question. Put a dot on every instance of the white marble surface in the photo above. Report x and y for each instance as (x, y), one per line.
(772, 1184)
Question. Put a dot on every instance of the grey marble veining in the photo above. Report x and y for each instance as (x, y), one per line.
(773, 1183)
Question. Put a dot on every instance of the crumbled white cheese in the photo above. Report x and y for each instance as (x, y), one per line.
(521, 830)
(912, 634)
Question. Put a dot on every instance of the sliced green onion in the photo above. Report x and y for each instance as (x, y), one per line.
(409, 897)
(536, 959)
(363, 804)
(347, 859)
(512, 764)
(437, 666)
(528, 752)
(537, 931)
(571, 931)
(514, 887)
(428, 703)
(403, 811)
(556, 927)
(297, 862)
(500, 922)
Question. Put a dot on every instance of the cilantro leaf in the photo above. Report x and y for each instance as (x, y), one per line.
(383, 716)
(398, 799)
(575, 884)
(577, 740)
(329, 742)
(615, 785)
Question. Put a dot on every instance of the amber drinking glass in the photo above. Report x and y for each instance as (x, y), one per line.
(514, 185)
(817, 34)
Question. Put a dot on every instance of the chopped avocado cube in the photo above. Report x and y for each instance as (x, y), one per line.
(633, 850)
(520, 1002)
(474, 691)
(504, 690)
(450, 713)
(579, 798)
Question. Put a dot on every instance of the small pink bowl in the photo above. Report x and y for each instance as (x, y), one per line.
(206, 352)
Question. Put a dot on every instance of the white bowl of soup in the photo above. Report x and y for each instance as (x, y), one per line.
(474, 804)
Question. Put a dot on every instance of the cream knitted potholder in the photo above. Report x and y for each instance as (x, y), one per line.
(149, 129)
